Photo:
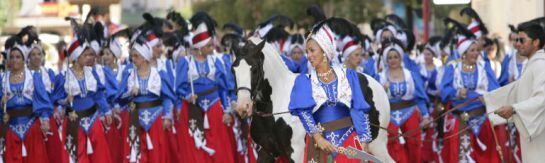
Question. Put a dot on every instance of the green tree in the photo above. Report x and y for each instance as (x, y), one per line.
(249, 13)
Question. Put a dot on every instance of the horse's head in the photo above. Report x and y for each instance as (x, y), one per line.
(248, 70)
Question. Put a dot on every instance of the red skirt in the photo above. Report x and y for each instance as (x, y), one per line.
(349, 142)
(101, 149)
(411, 149)
(186, 145)
(219, 137)
(53, 142)
(157, 154)
(173, 148)
(451, 147)
(249, 156)
(115, 136)
(511, 154)
(34, 145)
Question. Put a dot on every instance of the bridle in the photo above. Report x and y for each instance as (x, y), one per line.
(255, 72)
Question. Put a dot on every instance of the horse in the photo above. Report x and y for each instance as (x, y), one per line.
(265, 83)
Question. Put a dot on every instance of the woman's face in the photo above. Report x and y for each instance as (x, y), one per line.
(87, 57)
(472, 54)
(137, 58)
(206, 49)
(91, 58)
(296, 54)
(107, 57)
(354, 59)
(428, 56)
(315, 54)
(16, 60)
(386, 34)
(394, 59)
(35, 58)
(158, 49)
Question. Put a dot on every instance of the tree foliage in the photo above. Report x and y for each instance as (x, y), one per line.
(249, 13)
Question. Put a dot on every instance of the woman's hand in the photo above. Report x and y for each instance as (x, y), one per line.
(364, 146)
(323, 144)
(108, 119)
(462, 93)
(193, 99)
(227, 119)
(45, 126)
(167, 124)
(386, 85)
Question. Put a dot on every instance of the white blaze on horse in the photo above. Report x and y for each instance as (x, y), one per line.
(264, 85)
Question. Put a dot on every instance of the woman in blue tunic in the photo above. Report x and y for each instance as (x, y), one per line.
(27, 108)
(296, 53)
(430, 72)
(201, 81)
(407, 104)
(82, 93)
(462, 81)
(35, 65)
(329, 103)
(151, 94)
(110, 63)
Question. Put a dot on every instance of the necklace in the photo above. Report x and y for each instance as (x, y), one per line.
(18, 76)
(325, 75)
(468, 66)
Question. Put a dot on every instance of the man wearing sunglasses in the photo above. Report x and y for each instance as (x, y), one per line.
(523, 101)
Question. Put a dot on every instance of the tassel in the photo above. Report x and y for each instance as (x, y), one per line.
(148, 142)
(206, 124)
(132, 157)
(469, 159)
(23, 151)
(89, 146)
(208, 150)
(401, 139)
(481, 144)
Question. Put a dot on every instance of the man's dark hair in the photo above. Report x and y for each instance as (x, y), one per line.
(534, 31)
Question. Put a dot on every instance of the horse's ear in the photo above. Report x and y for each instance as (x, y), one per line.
(260, 45)
(237, 51)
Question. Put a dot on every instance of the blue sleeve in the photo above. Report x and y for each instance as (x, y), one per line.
(121, 96)
(360, 108)
(182, 84)
(291, 66)
(222, 82)
(358, 100)
(41, 102)
(53, 79)
(369, 68)
(111, 85)
(410, 64)
(169, 69)
(504, 76)
(447, 89)
(302, 103)
(303, 65)
(100, 96)
(229, 77)
(420, 96)
(167, 94)
(360, 119)
(59, 95)
(492, 82)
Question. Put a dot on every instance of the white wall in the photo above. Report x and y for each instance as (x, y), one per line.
(497, 14)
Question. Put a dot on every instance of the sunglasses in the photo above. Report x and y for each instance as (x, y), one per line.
(520, 40)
